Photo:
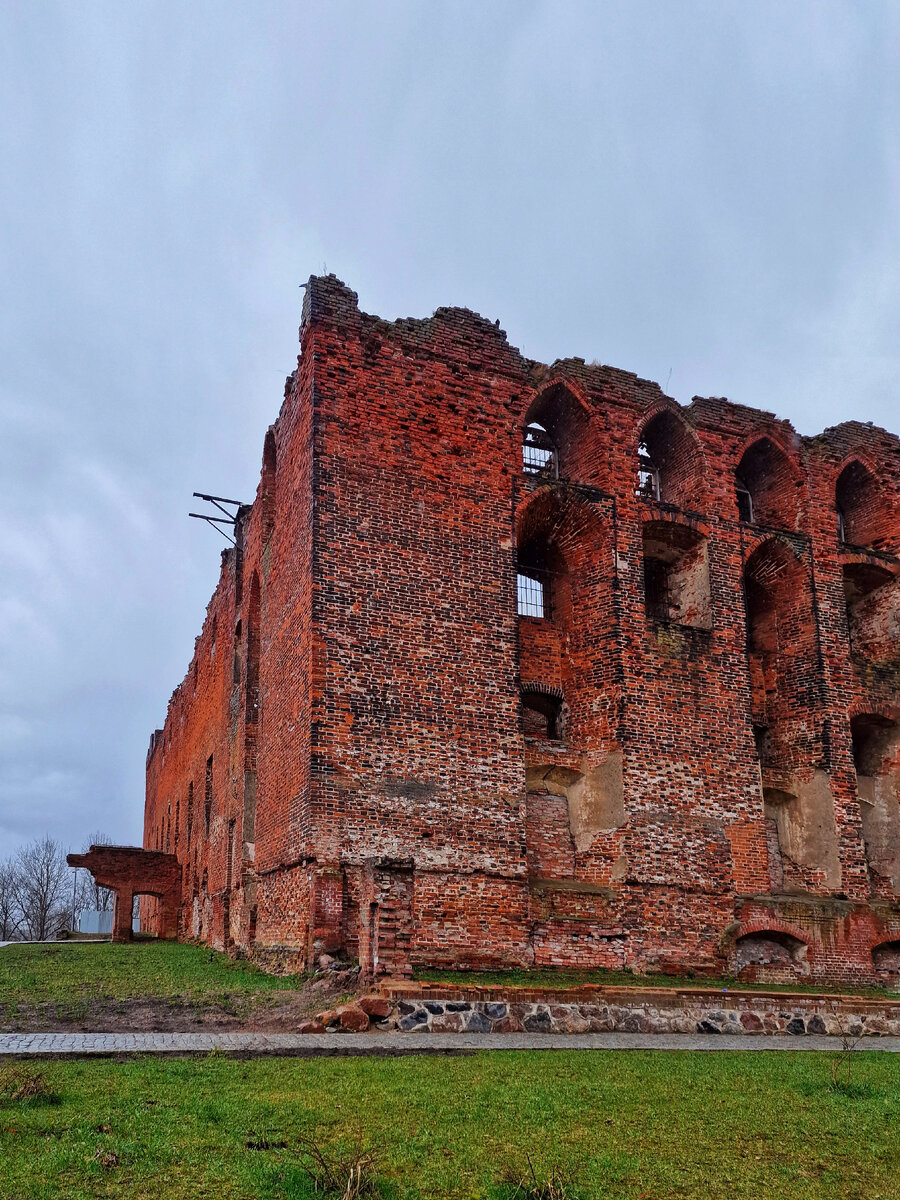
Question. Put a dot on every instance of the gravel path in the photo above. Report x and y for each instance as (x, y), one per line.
(57, 1045)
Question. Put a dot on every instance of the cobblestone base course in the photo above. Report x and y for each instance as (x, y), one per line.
(654, 1013)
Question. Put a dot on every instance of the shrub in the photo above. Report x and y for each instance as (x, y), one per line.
(348, 1176)
(527, 1184)
(23, 1085)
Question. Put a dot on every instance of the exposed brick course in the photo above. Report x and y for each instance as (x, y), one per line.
(373, 754)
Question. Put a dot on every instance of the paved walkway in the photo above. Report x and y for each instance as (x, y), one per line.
(317, 1044)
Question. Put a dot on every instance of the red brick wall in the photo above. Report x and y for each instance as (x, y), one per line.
(375, 579)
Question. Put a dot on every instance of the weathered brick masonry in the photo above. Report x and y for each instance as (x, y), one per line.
(684, 754)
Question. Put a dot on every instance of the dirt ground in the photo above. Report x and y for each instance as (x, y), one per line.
(267, 1012)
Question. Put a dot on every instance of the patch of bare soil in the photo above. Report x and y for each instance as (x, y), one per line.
(265, 1012)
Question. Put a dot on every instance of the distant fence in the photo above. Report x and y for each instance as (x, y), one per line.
(94, 920)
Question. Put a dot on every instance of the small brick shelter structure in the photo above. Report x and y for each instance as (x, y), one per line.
(525, 664)
(129, 871)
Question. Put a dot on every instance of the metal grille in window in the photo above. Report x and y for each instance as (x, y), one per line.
(538, 452)
(531, 596)
(657, 597)
(841, 526)
(648, 475)
(744, 503)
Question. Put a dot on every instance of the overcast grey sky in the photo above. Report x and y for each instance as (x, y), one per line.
(703, 188)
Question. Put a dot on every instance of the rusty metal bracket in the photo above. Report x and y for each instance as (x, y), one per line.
(229, 518)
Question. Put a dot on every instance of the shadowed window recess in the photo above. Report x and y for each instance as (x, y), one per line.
(767, 491)
(542, 713)
(668, 462)
(863, 514)
(676, 575)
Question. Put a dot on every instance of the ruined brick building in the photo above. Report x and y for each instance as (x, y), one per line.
(516, 664)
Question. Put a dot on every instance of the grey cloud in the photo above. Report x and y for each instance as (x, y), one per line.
(707, 189)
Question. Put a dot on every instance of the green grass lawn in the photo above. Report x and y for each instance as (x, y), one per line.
(562, 978)
(642, 1126)
(64, 973)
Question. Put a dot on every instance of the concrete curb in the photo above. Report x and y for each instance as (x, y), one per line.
(312, 1045)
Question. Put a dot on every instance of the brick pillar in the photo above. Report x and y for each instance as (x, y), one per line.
(122, 915)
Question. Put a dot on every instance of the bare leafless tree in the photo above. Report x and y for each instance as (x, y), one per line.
(90, 894)
(43, 888)
(9, 902)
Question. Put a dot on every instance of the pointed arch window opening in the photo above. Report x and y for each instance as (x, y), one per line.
(236, 657)
(540, 458)
(767, 487)
(863, 513)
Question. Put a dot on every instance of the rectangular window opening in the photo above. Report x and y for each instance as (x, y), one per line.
(531, 596)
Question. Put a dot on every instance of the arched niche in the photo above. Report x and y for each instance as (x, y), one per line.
(565, 570)
(876, 758)
(237, 654)
(189, 807)
(555, 442)
(863, 513)
(780, 627)
(669, 462)
(251, 719)
(251, 673)
(783, 667)
(770, 955)
(886, 958)
(676, 574)
(768, 488)
(872, 600)
(542, 712)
